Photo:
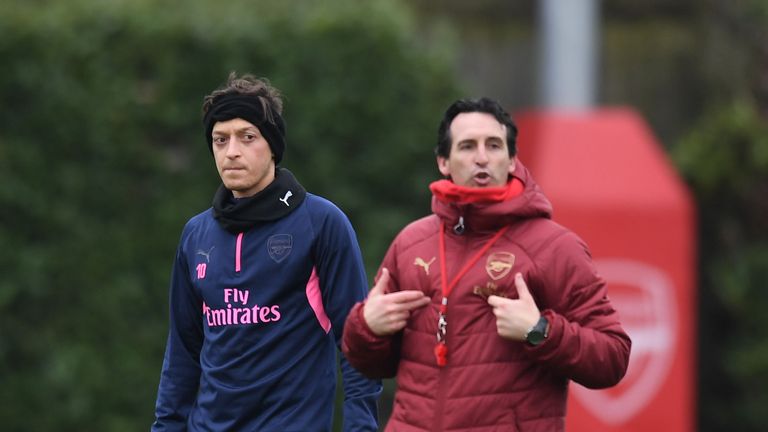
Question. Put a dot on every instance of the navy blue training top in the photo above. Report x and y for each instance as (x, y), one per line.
(255, 325)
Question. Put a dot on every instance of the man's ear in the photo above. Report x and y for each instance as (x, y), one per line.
(442, 165)
(512, 164)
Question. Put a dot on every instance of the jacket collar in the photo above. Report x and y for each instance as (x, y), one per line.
(488, 209)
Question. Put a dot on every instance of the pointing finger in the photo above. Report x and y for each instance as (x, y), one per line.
(496, 301)
(408, 296)
(522, 288)
(415, 303)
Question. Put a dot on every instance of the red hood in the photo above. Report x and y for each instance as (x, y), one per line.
(490, 216)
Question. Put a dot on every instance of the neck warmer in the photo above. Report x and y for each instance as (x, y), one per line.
(449, 192)
(279, 198)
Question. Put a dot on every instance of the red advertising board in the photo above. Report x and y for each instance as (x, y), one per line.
(610, 182)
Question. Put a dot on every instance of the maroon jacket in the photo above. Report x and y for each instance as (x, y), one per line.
(491, 383)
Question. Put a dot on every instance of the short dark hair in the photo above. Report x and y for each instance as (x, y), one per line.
(270, 97)
(483, 105)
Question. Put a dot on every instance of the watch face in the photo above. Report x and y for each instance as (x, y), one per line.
(535, 337)
(538, 333)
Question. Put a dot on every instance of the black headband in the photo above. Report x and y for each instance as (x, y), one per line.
(250, 109)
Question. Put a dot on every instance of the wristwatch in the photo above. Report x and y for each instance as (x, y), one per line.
(538, 333)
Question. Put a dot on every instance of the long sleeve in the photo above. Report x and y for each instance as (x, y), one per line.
(586, 342)
(374, 356)
(180, 376)
(343, 282)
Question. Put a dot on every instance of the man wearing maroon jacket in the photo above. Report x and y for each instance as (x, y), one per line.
(514, 299)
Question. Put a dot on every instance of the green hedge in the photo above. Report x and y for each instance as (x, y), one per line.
(725, 160)
(102, 160)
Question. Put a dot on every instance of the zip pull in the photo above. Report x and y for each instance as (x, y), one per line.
(459, 227)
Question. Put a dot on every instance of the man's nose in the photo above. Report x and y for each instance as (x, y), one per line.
(233, 149)
(481, 156)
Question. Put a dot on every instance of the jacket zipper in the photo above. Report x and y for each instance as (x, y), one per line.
(238, 251)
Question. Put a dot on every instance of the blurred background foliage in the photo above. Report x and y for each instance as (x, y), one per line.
(725, 160)
(102, 160)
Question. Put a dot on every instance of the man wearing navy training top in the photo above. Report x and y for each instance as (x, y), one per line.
(261, 285)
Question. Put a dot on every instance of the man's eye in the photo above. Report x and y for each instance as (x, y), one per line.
(219, 140)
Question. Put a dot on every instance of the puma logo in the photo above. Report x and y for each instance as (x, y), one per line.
(285, 198)
(207, 254)
(420, 262)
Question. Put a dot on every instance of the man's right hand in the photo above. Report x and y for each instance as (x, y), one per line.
(387, 314)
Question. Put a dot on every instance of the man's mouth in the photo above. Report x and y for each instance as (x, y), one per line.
(482, 178)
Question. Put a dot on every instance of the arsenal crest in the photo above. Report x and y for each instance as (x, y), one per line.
(499, 264)
(279, 246)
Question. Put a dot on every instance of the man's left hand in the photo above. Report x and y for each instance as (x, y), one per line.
(514, 317)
